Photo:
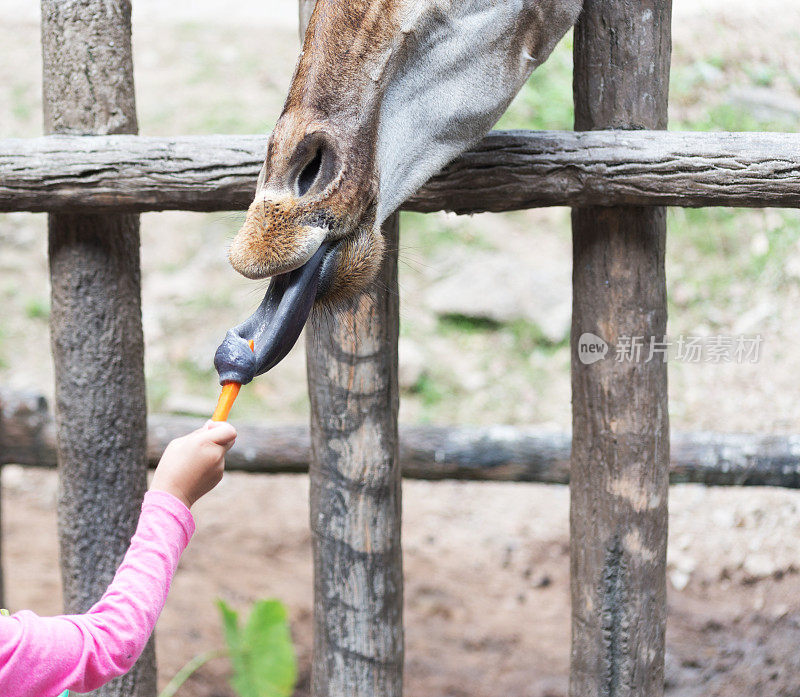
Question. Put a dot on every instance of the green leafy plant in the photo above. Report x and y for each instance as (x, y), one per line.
(262, 655)
(260, 651)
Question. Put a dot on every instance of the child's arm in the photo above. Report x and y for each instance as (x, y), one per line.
(41, 656)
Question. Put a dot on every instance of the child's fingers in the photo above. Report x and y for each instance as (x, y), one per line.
(221, 433)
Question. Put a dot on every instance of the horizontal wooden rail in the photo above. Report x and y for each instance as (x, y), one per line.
(491, 453)
(508, 170)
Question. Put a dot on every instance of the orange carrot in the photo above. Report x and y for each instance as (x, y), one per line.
(230, 390)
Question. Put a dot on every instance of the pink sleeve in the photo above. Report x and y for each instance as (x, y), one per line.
(42, 656)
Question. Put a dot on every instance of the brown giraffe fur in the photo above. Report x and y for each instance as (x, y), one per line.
(376, 78)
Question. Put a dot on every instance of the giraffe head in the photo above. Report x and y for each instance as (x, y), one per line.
(385, 93)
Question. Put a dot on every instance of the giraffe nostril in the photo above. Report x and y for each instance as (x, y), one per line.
(309, 174)
(315, 165)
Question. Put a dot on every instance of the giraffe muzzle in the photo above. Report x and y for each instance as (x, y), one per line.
(277, 323)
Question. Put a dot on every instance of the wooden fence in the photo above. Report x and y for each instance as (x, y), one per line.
(93, 175)
(496, 453)
(508, 170)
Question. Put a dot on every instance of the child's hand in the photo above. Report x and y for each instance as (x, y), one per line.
(192, 465)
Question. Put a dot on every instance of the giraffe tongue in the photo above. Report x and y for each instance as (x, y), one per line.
(275, 326)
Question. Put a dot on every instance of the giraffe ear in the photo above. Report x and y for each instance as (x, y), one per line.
(455, 82)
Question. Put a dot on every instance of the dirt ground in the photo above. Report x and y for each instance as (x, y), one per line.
(486, 574)
(486, 565)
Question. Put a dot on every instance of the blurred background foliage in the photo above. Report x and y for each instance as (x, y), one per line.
(463, 360)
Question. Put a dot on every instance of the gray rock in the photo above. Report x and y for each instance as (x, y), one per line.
(679, 579)
(499, 288)
(411, 363)
(758, 566)
(766, 103)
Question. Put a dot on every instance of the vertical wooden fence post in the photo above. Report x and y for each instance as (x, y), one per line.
(95, 324)
(356, 487)
(355, 494)
(620, 448)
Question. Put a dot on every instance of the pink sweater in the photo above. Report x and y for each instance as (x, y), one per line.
(42, 656)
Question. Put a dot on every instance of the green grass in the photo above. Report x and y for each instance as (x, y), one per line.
(714, 255)
(761, 75)
(158, 389)
(3, 340)
(452, 324)
(183, 375)
(703, 94)
(523, 335)
(545, 101)
(37, 308)
(700, 88)
(726, 116)
(430, 392)
(22, 102)
(425, 234)
(511, 357)
(226, 115)
(688, 81)
(251, 405)
(217, 299)
(200, 380)
(718, 258)
(724, 237)
(528, 337)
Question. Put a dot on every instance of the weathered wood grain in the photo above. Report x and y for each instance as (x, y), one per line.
(96, 320)
(355, 492)
(129, 173)
(620, 447)
(355, 486)
(508, 170)
(489, 453)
